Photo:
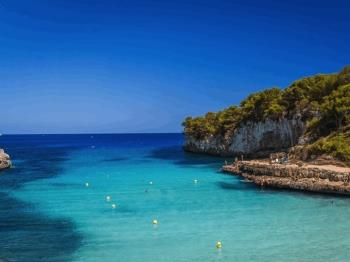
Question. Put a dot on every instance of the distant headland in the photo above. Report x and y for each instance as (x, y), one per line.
(308, 122)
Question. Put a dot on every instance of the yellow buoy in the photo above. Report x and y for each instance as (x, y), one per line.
(87, 184)
(108, 198)
(218, 245)
(155, 222)
(114, 206)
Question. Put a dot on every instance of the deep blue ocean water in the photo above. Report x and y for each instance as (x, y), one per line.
(48, 213)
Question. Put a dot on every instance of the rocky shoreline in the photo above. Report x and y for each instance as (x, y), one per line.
(305, 177)
(5, 161)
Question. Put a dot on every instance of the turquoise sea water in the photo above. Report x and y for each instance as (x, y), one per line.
(47, 213)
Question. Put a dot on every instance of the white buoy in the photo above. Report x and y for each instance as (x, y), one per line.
(155, 222)
(87, 184)
(151, 183)
(218, 245)
(108, 198)
(114, 206)
(195, 181)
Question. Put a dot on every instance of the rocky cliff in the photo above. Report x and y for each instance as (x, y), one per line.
(312, 114)
(253, 139)
(5, 161)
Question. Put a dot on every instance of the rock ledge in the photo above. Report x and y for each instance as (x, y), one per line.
(313, 178)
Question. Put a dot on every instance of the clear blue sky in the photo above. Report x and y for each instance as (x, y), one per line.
(99, 66)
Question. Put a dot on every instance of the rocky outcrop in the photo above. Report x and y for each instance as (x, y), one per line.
(253, 139)
(211, 145)
(322, 179)
(5, 161)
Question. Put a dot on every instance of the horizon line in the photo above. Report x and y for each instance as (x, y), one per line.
(130, 133)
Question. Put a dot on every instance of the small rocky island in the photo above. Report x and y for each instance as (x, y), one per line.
(308, 122)
(5, 161)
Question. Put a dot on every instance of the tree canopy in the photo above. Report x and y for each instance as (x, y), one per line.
(322, 101)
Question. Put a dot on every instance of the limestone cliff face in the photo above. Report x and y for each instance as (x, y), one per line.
(5, 161)
(251, 139)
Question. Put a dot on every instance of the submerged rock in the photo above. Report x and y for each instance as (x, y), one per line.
(5, 161)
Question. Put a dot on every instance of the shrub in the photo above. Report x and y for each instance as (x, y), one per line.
(322, 101)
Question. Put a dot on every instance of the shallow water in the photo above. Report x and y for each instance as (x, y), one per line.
(47, 213)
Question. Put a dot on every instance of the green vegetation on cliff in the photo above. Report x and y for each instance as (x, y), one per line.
(321, 101)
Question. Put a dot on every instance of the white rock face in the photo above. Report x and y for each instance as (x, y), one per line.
(252, 138)
(266, 136)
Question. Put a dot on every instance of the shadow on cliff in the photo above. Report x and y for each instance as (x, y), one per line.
(185, 159)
